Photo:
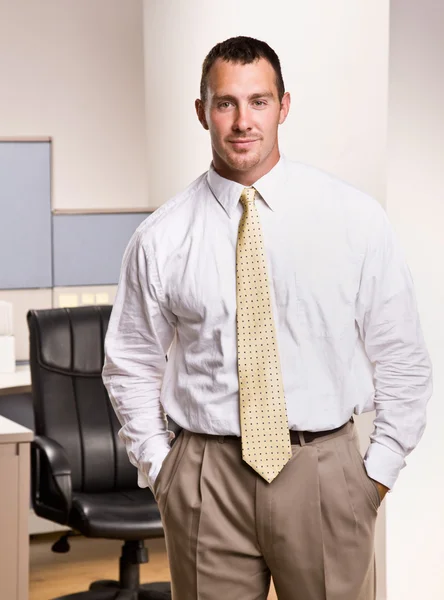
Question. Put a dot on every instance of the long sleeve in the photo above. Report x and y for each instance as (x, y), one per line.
(388, 320)
(140, 332)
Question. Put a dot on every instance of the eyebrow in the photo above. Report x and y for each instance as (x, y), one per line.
(255, 96)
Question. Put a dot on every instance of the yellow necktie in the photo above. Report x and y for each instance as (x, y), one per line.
(266, 442)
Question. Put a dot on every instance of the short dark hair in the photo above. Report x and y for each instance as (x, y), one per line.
(243, 50)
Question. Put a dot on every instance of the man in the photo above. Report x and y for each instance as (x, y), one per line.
(286, 306)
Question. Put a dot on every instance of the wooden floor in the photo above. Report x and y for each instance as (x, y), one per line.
(53, 575)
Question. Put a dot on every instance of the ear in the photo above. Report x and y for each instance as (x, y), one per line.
(200, 111)
(285, 107)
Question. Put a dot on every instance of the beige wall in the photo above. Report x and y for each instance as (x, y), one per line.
(415, 195)
(73, 70)
(334, 57)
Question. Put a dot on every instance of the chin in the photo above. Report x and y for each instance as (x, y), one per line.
(243, 162)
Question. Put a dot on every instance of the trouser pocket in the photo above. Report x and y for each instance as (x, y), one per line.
(168, 470)
(367, 484)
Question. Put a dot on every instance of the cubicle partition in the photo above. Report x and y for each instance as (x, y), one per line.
(53, 258)
(48, 259)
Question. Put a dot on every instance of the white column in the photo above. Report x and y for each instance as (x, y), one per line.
(415, 204)
(334, 58)
(334, 61)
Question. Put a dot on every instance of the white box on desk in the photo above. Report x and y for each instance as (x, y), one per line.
(7, 354)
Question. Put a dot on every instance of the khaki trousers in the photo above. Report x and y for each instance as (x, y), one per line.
(227, 530)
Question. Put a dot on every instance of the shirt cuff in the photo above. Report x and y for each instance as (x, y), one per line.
(149, 468)
(382, 464)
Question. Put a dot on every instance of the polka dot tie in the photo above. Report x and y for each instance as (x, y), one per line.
(266, 442)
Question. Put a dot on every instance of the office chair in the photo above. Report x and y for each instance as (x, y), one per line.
(81, 475)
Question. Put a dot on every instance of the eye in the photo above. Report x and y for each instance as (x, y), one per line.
(259, 103)
(225, 104)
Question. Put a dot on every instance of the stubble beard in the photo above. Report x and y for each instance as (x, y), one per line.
(242, 161)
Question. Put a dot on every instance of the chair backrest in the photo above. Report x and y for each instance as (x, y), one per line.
(71, 404)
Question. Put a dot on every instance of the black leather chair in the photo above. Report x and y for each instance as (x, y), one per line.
(81, 475)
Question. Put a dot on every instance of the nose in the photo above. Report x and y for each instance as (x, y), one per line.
(242, 120)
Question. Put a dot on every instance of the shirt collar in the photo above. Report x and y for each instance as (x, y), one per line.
(270, 187)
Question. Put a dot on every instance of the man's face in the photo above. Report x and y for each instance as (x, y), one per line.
(242, 113)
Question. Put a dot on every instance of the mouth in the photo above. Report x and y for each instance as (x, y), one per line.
(242, 144)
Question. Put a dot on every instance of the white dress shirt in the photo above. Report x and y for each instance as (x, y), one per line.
(344, 306)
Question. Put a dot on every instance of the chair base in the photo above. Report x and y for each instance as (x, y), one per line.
(134, 553)
(159, 590)
(110, 590)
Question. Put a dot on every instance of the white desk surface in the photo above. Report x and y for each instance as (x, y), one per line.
(13, 432)
(18, 381)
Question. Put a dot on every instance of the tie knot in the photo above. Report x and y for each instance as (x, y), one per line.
(247, 196)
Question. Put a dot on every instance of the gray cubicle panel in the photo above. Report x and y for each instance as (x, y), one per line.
(88, 249)
(25, 215)
(18, 408)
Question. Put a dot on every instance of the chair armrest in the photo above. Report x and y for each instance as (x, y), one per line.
(51, 474)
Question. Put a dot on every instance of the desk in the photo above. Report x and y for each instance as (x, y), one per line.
(15, 443)
(14, 383)
(20, 383)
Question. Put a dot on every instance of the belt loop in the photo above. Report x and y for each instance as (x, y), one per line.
(301, 438)
(221, 439)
